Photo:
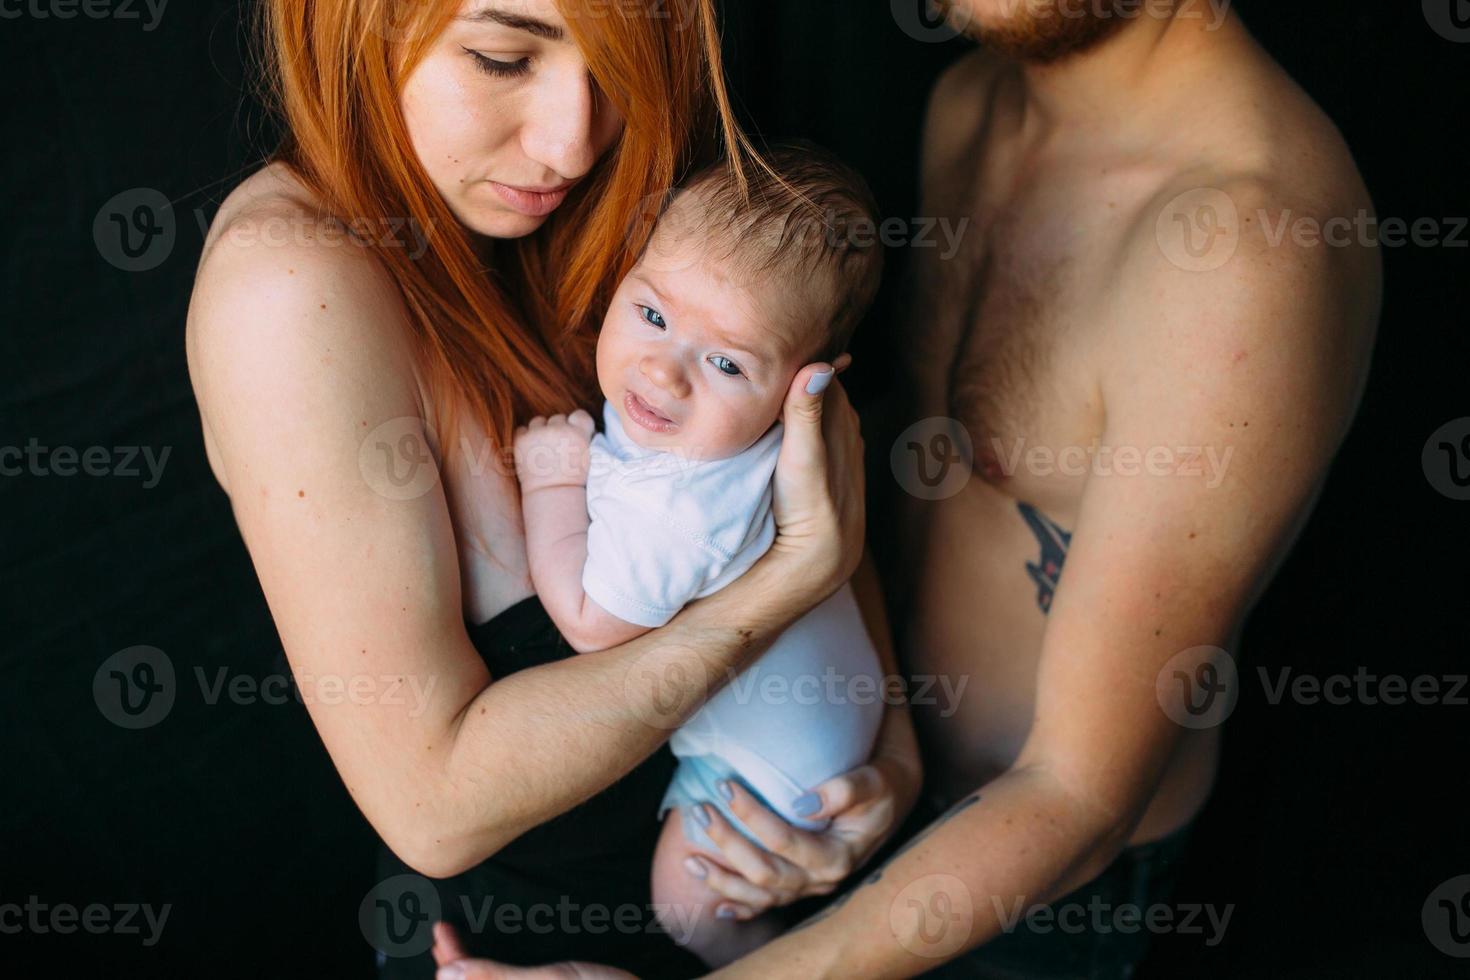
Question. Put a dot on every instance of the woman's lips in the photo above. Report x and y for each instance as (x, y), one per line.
(644, 414)
(535, 203)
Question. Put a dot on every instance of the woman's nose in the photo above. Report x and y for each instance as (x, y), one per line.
(560, 130)
(666, 374)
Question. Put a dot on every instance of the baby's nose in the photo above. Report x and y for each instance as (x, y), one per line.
(667, 374)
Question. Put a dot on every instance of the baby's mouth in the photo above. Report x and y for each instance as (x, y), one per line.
(646, 415)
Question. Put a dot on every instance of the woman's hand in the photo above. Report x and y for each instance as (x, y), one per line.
(817, 499)
(865, 805)
(456, 964)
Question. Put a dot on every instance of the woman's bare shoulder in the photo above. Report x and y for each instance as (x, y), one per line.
(291, 317)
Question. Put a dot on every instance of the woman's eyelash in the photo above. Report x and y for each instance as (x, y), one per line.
(501, 69)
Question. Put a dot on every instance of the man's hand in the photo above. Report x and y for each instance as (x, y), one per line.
(552, 452)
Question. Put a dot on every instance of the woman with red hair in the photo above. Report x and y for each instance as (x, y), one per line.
(419, 268)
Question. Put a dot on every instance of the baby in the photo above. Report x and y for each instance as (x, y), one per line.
(731, 298)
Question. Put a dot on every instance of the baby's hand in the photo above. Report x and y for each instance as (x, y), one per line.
(552, 452)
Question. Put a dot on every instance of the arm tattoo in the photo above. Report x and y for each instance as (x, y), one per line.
(1047, 570)
(877, 874)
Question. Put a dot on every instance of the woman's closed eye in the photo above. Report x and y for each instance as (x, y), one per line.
(497, 67)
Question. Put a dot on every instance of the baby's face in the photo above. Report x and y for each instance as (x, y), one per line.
(691, 360)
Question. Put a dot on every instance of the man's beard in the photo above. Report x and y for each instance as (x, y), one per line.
(1038, 31)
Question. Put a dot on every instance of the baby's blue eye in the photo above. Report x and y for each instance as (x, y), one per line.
(652, 316)
(724, 365)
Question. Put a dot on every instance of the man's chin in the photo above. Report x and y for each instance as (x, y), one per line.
(1031, 34)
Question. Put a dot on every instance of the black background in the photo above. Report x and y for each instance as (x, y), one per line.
(1328, 829)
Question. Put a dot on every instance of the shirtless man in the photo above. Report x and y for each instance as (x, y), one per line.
(1078, 320)
(1077, 336)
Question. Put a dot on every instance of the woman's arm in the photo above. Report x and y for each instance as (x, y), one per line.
(299, 355)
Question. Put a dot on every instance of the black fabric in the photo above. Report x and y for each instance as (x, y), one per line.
(575, 887)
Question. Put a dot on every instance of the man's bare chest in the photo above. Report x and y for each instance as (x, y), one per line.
(1003, 336)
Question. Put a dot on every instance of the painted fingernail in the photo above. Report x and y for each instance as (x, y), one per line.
(724, 912)
(701, 813)
(726, 790)
(806, 804)
(451, 971)
(695, 867)
(818, 382)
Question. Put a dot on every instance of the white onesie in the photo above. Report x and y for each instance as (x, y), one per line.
(665, 530)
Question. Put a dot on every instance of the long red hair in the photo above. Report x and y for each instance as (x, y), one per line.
(521, 343)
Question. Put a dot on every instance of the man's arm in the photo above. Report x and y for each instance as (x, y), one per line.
(1260, 362)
